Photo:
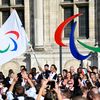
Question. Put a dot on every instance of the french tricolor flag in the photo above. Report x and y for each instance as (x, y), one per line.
(84, 71)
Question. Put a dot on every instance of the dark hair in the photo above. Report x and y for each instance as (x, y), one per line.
(66, 92)
(79, 70)
(22, 66)
(89, 85)
(33, 69)
(29, 98)
(46, 65)
(2, 79)
(1, 75)
(20, 91)
(70, 74)
(37, 86)
(65, 70)
(50, 96)
(94, 67)
(54, 66)
(4, 96)
(10, 72)
(59, 75)
(92, 73)
(90, 95)
(24, 70)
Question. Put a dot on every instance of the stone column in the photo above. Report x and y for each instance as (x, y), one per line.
(38, 23)
(91, 20)
(46, 23)
(53, 20)
(27, 17)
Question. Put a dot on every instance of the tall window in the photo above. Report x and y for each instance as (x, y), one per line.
(5, 2)
(6, 6)
(21, 16)
(72, 7)
(68, 11)
(84, 22)
(5, 15)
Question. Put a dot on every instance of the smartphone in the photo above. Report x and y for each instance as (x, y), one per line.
(51, 84)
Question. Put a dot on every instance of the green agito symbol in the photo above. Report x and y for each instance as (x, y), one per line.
(95, 49)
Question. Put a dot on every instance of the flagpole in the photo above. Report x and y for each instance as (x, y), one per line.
(36, 59)
(60, 58)
(81, 63)
(32, 50)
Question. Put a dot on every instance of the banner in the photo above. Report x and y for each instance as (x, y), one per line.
(13, 39)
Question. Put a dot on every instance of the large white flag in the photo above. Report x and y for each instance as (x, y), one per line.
(13, 39)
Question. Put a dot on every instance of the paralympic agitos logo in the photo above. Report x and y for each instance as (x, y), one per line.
(73, 49)
(13, 41)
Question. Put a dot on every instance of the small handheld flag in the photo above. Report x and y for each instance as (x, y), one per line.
(84, 71)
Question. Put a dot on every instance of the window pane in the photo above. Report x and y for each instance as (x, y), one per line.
(84, 22)
(5, 15)
(20, 2)
(5, 2)
(67, 13)
(21, 15)
(69, 0)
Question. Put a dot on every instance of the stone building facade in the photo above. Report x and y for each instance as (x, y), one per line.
(97, 27)
(40, 19)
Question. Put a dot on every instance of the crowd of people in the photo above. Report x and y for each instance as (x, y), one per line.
(47, 84)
